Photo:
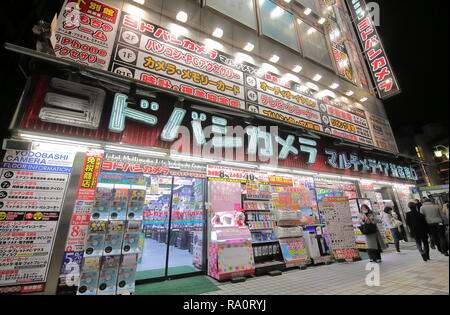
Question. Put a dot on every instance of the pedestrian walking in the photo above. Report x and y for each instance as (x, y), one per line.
(418, 228)
(391, 221)
(437, 223)
(369, 228)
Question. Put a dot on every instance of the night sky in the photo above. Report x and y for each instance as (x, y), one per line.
(415, 36)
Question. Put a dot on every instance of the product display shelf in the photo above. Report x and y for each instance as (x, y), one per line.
(265, 245)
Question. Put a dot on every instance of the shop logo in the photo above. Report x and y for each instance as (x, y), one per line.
(84, 110)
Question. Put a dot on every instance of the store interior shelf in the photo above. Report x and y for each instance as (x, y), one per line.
(264, 242)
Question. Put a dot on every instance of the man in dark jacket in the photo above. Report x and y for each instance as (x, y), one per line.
(419, 230)
(436, 221)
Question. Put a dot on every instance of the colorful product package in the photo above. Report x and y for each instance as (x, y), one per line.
(120, 194)
(135, 210)
(89, 276)
(137, 195)
(112, 244)
(127, 275)
(94, 245)
(107, 281)
(103, 193)
(118, 210)
(101, 210)
(130, 243)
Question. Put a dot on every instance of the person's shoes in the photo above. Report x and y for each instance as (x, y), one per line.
(378, 261)
(428, 256)
(445, 254)
(424, 257)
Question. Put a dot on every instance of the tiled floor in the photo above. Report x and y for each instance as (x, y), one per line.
(400, 274)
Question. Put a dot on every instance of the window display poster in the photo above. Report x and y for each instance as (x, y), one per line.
(337, 215)
(33, 186)
(86, 32)
(225, 196)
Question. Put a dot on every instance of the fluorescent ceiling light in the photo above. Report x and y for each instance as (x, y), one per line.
(297, 68)
(334, 86)
(290, 77)
(321, 21)
(133, 150)
(218, 32)
(192, 158)
(177, 29)
(182, 16)
(139, 1)
(274, 59)
(58, 140)
(307, 11)
(287, 1)
(275, 169)
(299, 21)
(249, 47)
(363, 99)
(238, 164)
(349, 93)
(317, 77)
(305, 173)
(311, 30)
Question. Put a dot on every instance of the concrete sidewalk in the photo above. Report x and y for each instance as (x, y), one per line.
(400, 274)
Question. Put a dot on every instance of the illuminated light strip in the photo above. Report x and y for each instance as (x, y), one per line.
(305, 173)
(138, 151)
(238, 164)
(192, 158)
(58, 140)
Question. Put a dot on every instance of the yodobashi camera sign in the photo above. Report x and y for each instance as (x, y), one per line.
(379, 65)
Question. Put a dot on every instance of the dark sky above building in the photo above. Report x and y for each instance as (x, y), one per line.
(415, 35)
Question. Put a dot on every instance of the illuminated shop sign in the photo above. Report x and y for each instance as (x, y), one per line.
(209, 135)
(374, 51)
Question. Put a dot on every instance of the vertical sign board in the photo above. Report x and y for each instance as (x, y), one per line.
(33, 186)
(374, 51)
(336, 211)
(81, 216)
(86, 32)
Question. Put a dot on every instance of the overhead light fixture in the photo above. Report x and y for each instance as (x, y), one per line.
(334, 86)
(311, 30)
(139, 1)
(299, 21)
(290, 77)
(274, 59)
(321, 21)
(349, 93)
(249, 47)
(274, 169)
(177, 30)
(312, 86)
(218, 32)
(363, 99)
(307, 11)
(304, 173)
(191, 158)
(136, 151)
(297, 68)
(212, 44)
(287, 1)
(229, 163)
(58, 140)
(240, 57)
(182, 16)
(317, 77)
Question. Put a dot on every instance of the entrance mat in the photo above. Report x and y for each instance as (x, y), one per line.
(155, 273)
(186, 286)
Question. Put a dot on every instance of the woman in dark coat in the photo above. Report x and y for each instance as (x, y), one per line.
(419, 230)
(375, 243)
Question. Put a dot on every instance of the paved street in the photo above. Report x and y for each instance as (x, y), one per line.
(400, 274)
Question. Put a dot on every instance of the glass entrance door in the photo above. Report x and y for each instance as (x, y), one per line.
(173, 227)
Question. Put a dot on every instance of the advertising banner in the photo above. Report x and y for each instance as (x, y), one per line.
(338, 218)
(86, 32)
(379, 65)
(33, 186)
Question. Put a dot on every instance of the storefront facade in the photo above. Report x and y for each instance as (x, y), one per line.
(163, 158)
